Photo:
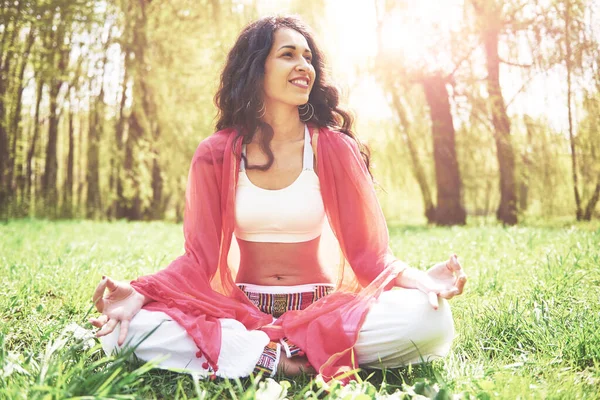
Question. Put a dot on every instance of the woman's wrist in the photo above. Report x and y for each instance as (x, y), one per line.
(408, 278)
(142, 298)
(146, 299)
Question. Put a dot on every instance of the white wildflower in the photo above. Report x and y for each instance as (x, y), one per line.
(81, 334)
(269, 389)
(11, 364)
(357, 390)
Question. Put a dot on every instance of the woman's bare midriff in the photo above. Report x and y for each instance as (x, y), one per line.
(280, 264)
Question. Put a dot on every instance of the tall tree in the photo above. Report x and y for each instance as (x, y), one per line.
(95, 135)
(449, 209)
(18, 84)
(16, 176)
(11, 23)
(489, 23)
(417, 165)
(59, 58)
(143, 126)
(569, 65)
(30, 178)
(117, 156)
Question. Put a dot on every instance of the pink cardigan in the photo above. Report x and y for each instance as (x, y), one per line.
(198, 288)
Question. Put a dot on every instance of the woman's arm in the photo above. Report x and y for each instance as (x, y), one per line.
(187, 275)
(360, 226)
(353, 210)
(202, 232)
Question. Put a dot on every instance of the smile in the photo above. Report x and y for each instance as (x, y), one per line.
(300, 82)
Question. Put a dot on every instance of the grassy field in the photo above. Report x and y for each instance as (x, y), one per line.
(528, 325)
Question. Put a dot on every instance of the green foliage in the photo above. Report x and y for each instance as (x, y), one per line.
(526, 325)
(160, 61)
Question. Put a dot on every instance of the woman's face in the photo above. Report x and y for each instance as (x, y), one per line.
(289, 74)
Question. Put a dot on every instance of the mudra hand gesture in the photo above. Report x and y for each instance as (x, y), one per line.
(445, 280)
(120, 305)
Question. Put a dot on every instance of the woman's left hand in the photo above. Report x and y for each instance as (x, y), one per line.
(445, 279)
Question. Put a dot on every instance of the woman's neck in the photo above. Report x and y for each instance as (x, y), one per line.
(285, 122)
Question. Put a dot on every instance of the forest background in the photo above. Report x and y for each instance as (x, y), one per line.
(476, 111)
(471, 108)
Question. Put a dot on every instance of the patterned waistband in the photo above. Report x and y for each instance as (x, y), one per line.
(271, 300)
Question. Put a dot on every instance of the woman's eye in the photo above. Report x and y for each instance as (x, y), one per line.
(290, 54)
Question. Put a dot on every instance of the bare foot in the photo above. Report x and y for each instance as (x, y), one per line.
(295, 366)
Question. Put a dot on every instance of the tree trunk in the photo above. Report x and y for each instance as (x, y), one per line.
(5, 67)
(417, 167)
(152, 130)
(80, 166)
(68, 187)
(526, 166)
(591, 206)
(15, 177)
(143, 126)
(578, 210)
(157, 207)
(94, 208)
(49, 179)
(93, 203)
(116, 182)
(449, 209)
(507, 210)
(29, 178)
(4, 157)
(132, 209)
(490, 23)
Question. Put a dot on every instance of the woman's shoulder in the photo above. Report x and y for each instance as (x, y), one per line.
(336, 138)
(214, 145)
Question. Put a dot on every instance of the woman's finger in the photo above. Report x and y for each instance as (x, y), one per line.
(461, 280)
(439, 267)
(110, 284)
(433, 300)
(453, 265)
(448, 294)
(99, 322)
(107, 328)
(95, 322)
(123, 333)
(98, 295)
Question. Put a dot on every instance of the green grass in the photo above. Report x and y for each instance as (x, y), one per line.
(528, 325)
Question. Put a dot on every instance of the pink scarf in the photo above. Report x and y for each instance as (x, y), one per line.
(198, 288)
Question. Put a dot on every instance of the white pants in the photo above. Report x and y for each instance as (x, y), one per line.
(401, 328)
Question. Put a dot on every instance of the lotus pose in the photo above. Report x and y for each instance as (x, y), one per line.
(280, 188)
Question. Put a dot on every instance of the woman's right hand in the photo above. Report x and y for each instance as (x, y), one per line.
(120, 305)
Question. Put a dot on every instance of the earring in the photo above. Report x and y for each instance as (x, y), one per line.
(262, 111)
(306, 112)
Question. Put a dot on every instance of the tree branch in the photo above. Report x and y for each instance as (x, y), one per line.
(516, 64)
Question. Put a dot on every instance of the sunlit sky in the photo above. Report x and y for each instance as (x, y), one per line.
(350, 42)
(417, 33)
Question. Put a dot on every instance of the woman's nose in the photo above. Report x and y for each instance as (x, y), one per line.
(302, 65)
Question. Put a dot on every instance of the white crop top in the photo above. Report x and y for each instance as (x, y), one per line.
(290, 215)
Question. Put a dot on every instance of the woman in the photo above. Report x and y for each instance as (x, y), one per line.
(274, 175)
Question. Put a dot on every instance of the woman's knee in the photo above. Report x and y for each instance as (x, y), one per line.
(143, 330)
(412, 316)
(403, 328)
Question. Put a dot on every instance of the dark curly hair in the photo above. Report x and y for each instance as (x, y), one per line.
(239, 97)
